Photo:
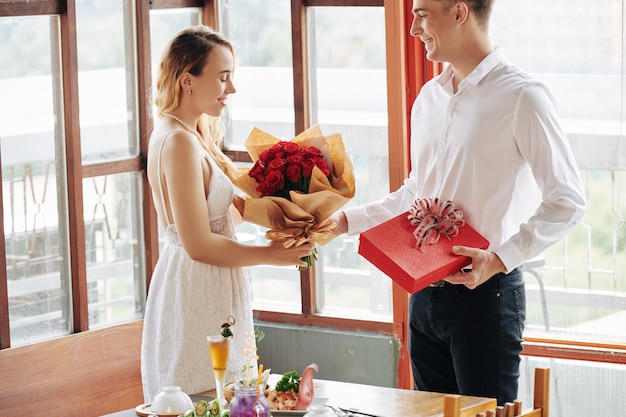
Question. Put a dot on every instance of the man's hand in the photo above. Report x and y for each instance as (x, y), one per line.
(485, 264)
(339, 218)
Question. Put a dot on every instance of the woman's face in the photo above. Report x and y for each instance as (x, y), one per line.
(211, 88)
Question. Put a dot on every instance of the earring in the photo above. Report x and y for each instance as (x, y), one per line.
(189, 91)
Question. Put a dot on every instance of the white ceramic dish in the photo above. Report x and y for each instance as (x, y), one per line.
(171, 401)
(298, 413)
(145, 410)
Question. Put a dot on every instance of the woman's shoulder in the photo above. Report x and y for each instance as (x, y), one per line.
(172, 141)
(172, 150)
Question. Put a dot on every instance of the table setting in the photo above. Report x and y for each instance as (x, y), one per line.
(361, 400)
(260, 393)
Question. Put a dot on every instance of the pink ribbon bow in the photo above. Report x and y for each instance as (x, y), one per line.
(433, 219)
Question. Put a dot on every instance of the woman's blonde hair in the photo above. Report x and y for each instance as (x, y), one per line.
(188, 52)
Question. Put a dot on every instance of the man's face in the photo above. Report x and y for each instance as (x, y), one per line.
(434, 24)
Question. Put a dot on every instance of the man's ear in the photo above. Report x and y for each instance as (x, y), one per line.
(462, 11)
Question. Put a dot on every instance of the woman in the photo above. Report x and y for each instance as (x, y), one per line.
(198, 280)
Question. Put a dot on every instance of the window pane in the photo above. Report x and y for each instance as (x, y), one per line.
(164, 24)
(114, 248)
(578, 53)
(261, 35)
(349, 92)
(107, 79)
(33, 180)
(260, 32)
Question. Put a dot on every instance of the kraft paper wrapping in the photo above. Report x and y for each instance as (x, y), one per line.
(303, 218)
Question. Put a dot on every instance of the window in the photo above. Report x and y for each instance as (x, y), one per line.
(80, 257)
(576, 291)
(72, 182)
(348, 95)
(109, 131)
(261, 37)
(33, 180)
(578, 288)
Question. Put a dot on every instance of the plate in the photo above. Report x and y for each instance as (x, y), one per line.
(298, 413)
(145, 410)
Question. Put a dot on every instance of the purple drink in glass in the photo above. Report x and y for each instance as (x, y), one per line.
(249, 402)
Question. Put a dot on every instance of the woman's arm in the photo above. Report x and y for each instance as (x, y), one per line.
(181, 165)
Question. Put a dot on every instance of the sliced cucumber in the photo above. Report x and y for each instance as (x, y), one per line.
(215, 408)
(202, 409)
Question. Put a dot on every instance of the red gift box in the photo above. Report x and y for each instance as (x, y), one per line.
(391, 247)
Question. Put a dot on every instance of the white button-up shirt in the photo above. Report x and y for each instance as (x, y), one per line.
(495, 148)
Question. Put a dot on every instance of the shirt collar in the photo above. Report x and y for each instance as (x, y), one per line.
(474, 77)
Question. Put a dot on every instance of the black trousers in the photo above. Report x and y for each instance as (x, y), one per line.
(469, 342)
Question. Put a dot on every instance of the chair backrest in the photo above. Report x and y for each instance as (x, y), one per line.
(513, 409)
(541, 401)
(541, 396)
(89, 373)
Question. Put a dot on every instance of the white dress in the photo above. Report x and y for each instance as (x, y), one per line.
(189, 300)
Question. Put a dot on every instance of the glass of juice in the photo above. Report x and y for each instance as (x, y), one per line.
(218, 348)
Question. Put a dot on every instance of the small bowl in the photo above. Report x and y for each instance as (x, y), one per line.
(171, 401)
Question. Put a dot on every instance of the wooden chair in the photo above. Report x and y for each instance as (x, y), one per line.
(541, 401)
(89, 373)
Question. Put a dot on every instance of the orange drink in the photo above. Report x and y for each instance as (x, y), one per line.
(218, 348)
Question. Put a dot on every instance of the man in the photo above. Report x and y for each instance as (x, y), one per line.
(485, 136)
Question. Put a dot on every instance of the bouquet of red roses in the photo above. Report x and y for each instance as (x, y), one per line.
(287, 166)
(295, 186)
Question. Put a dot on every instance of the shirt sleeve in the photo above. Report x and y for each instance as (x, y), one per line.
(545, 147)
(369, 215)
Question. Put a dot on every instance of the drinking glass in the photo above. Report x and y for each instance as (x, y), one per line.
(218, 348)
(249, 402)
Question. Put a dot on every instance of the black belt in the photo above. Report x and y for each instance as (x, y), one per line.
(441, 283)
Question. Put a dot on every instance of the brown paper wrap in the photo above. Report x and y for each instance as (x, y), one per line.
(303, 219)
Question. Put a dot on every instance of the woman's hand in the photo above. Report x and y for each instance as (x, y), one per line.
(281, 256)
(239, 202)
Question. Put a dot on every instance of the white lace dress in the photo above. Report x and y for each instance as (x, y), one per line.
(189, 300)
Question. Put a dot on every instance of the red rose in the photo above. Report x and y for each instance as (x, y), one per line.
(276, 151)
(295, 158)
(263, 156)
(323, 166)
(293, 172)
(290, 147)
(262, 188)
(257, 172)
(277, 164)
(307, 167)
(311, 152)
(275, 181)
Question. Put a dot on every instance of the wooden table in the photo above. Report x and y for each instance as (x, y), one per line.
(380, 401)
(393, 402)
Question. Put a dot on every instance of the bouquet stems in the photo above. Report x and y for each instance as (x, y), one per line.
(308, 260)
